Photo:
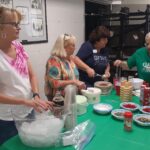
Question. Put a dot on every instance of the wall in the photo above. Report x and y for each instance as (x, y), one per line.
(63, 16)
(135, 1)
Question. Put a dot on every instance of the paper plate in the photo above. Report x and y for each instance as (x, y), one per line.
(129, 106)
(142, 119)
(145, 109)
(119, 113)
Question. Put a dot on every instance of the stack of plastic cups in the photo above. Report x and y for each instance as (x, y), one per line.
(126, 91)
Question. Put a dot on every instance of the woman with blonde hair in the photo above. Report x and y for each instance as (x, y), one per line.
(60, 68)
(18, 83)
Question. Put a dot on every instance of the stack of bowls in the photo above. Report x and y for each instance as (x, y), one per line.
(126, 91)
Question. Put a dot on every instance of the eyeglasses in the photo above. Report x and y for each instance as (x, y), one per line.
(14, 24)
(65, 36)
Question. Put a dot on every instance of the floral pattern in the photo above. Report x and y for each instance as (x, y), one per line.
(58, 69)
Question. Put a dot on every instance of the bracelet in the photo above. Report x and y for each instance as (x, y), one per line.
(36, 94)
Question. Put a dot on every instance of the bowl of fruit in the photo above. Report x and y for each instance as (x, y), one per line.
(129, 106)
(145, 109)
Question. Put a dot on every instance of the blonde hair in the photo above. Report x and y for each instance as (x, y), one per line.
(3, 11)
(60, 44)
(147, 37)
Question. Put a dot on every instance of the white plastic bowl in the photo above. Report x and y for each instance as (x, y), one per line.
(102, 108)
(92, 94)
(136, 82)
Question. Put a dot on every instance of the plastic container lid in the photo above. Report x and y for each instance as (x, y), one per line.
(128, 114)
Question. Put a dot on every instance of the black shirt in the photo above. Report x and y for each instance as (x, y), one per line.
(99, 64)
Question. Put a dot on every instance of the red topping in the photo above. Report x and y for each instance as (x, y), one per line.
(129, 106)
(103, 84)
(146, 110)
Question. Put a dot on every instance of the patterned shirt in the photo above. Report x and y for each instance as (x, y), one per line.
(58, 69)
(20, 62)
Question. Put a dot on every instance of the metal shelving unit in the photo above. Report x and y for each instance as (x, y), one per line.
(127, 38)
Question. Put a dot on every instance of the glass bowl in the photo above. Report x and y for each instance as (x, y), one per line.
(106, 87)
(38, 130)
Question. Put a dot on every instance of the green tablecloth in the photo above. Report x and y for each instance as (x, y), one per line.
(110, 134)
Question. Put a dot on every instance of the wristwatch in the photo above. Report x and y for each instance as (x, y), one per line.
(36, 94)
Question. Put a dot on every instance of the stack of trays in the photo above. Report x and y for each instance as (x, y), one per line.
(126, 91)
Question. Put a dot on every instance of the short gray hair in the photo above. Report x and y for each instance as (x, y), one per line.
(59, 46)
(147, 37)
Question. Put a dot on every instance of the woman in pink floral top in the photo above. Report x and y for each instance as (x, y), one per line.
(17, 79)
(60, 68)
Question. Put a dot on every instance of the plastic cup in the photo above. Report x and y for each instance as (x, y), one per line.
(117, 88)
(115, 80)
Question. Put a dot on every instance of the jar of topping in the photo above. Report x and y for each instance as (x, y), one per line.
(128, 121)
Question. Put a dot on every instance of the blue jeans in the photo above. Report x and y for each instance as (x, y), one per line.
(7, 130)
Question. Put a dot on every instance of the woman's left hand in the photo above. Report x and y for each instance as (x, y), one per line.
(44, 104)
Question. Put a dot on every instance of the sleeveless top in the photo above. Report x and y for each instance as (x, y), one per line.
(14, 81)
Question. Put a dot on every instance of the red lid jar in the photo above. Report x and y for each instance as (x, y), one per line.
(128, 121)
(128, 114)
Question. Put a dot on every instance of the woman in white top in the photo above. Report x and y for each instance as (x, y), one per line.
(18, 83)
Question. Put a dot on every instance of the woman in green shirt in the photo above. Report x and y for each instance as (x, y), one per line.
(140, 59)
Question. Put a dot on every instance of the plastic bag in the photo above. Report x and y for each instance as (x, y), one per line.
(79, 137)
(82, 134)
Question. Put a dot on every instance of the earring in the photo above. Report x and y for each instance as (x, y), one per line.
(3, 35)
